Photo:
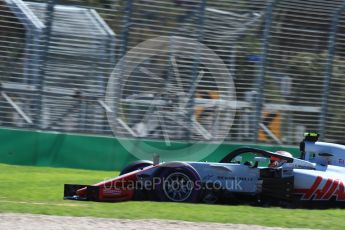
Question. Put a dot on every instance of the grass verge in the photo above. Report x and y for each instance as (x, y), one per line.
(39, 190)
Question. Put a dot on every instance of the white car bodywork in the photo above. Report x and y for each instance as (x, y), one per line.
(325, 153)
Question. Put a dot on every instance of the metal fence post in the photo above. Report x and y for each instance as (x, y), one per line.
(28, 67)
(200, 37)
(329, 69)
(259, 84)
(48, 22)
(127, 21)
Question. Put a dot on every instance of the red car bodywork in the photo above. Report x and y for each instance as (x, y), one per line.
(121, 188)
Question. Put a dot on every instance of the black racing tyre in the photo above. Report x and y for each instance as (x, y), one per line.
(180, 184)
(140, 164)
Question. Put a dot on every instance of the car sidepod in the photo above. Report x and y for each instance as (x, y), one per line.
(320, 188)
(277, 184)
(235, 183)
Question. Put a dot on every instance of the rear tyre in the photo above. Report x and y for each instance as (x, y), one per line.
(178, 185)
(135, 166)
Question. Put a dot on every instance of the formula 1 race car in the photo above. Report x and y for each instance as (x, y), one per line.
(246, 175)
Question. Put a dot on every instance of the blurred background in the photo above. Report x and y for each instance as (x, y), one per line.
(286, 59)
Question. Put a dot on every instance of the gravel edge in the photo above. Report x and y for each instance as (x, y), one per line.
(12, 221)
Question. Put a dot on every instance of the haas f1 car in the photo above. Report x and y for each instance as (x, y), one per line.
(246, 175)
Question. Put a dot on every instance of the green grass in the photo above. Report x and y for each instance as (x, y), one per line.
(39, 190)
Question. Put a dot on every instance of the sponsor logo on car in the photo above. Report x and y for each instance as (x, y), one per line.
(112, 191)
(331, 188)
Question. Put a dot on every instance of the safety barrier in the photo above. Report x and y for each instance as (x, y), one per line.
(95, 152)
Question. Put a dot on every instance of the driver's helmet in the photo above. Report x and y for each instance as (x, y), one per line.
(276, 161)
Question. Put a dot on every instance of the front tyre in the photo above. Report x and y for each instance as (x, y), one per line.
(178, 185)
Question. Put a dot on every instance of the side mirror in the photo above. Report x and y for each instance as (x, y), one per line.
(238, 159)
(156, 159)
(260, 159)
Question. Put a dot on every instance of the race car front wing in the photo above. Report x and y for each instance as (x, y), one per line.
(92, 192)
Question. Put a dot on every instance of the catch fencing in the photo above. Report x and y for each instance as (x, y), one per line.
(64, 66)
